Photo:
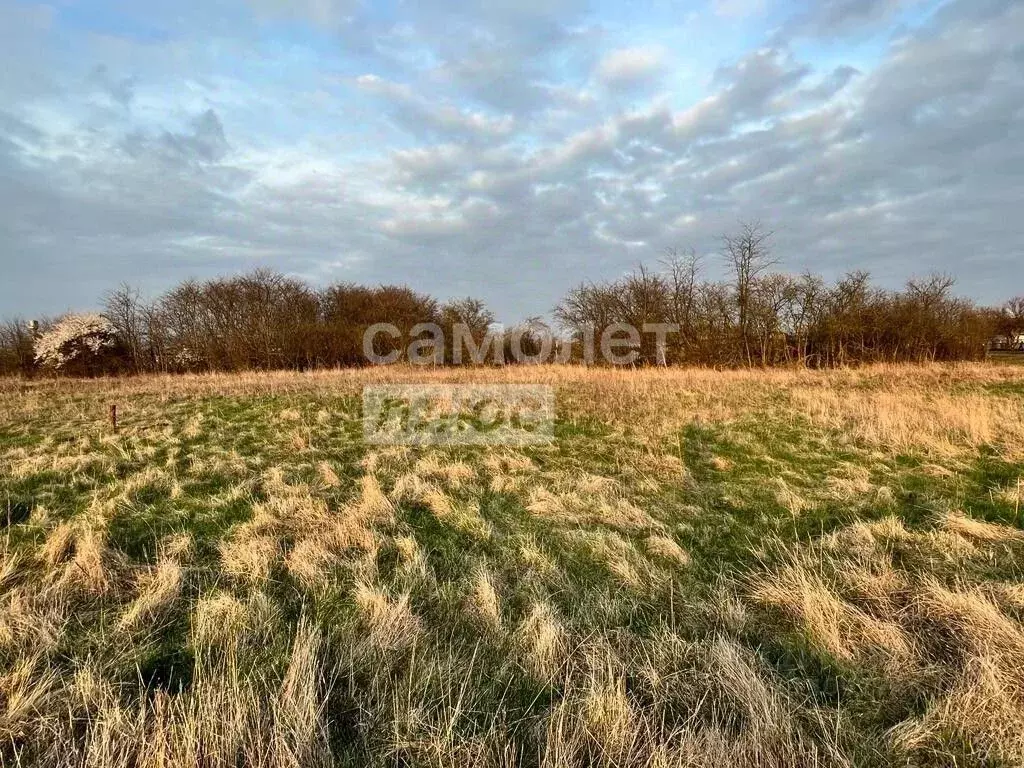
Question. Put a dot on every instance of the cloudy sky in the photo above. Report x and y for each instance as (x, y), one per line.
(503, 148)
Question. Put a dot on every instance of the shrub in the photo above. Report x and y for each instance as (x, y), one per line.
(80, 344)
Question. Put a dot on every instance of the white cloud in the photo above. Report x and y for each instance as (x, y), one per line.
(629, 66)
(430, 173)
(324, 13)
(832, 18)
(419, 113)
(738, 9)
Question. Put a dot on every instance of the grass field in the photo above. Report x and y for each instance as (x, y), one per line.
(1006, 358)
(705, 568)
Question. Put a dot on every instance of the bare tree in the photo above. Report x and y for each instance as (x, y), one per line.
(683, 279)
(926, 309)
(470, 312)
(465, 316)
(803, 310)
(588, 309)
(124, 308)
(17, 347)
(748, 255)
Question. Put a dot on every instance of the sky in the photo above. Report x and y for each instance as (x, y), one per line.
(505, 149)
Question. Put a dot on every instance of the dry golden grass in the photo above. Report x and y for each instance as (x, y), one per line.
(752, 568)
(157, 590)
(979, 530)
(543, 639)
(390, 621)
(667, 549)
(586, 500)
(484, 601)
(899, 406)
(941, 630)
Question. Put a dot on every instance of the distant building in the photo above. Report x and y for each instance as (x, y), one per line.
(1008, 343)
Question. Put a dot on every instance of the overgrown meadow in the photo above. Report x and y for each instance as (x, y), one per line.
(767, 568)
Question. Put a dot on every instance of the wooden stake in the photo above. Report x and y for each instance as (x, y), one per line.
(1016, 507)
(113, 416)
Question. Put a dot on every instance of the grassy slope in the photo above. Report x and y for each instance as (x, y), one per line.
(738, 568)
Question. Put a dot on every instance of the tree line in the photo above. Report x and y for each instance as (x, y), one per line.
(758, 316)
(258, 321)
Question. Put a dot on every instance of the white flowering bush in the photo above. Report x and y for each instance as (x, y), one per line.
(187, 358)
(75, 339)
